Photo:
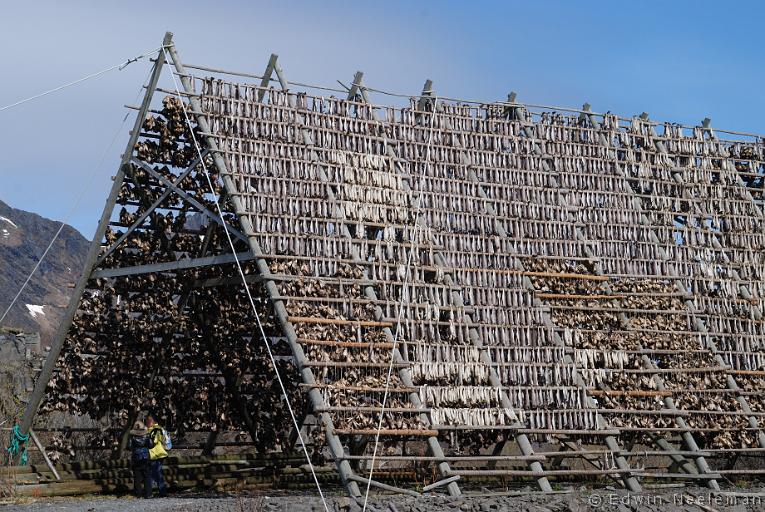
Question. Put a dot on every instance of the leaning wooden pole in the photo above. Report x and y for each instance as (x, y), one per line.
(404, 373)
(95, 248)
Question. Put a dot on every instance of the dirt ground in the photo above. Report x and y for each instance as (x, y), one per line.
(667, 500)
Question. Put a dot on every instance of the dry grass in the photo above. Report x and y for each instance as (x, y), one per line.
(11, 405)
(7, 482)
(250, 503)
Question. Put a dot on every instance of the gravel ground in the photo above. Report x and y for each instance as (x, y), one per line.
(578, 501)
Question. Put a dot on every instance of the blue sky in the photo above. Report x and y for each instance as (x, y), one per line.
(678, 61)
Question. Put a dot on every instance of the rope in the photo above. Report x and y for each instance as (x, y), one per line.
(120, 66)
(247, 289)
(68, 215)
(18, 445)
(404, 294)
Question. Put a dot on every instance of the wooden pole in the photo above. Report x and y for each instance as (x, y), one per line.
(44, 454)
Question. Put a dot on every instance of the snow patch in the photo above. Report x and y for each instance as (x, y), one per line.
(35, 310)
(9, 221)
(6, 233)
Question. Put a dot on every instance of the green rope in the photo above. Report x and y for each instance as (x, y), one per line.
(18, 445)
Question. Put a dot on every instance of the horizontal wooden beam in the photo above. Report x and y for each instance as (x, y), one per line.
(353, 364)
(347, 344)
(169, 266)
(402, 432)
(563, 275)
(337, 321)
(372, 409)
(616, 392)
(391, 389)
(549, 472)
(577, 296)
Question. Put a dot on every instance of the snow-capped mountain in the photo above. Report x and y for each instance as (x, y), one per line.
(23, 238)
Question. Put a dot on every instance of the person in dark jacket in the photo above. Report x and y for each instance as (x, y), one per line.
(139, 445)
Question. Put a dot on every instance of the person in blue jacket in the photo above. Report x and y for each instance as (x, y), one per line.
(139, 445)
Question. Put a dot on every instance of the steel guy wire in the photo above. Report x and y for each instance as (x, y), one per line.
(120, 66)
(247, 289)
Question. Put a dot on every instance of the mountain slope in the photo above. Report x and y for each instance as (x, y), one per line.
(23, 238)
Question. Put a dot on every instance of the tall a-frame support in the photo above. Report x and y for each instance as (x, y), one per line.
(98, 254)
(95, 246)
(611, 442)
(699, 461)
(250, 250)
(349, 480)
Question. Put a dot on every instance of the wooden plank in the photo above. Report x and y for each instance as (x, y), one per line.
(44, 454)
(383, 486)
(391, 389)
(353, 364)
(680, 476)
(543, 295)
(387, 432)
(346, 344)
(616, 392)
(565, 275)
(360, 408)
(548, 472)
(441, 483)
(338, 321)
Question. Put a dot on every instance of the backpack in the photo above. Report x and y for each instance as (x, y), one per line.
(166, 441)
(139, 448)
(158, 451)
